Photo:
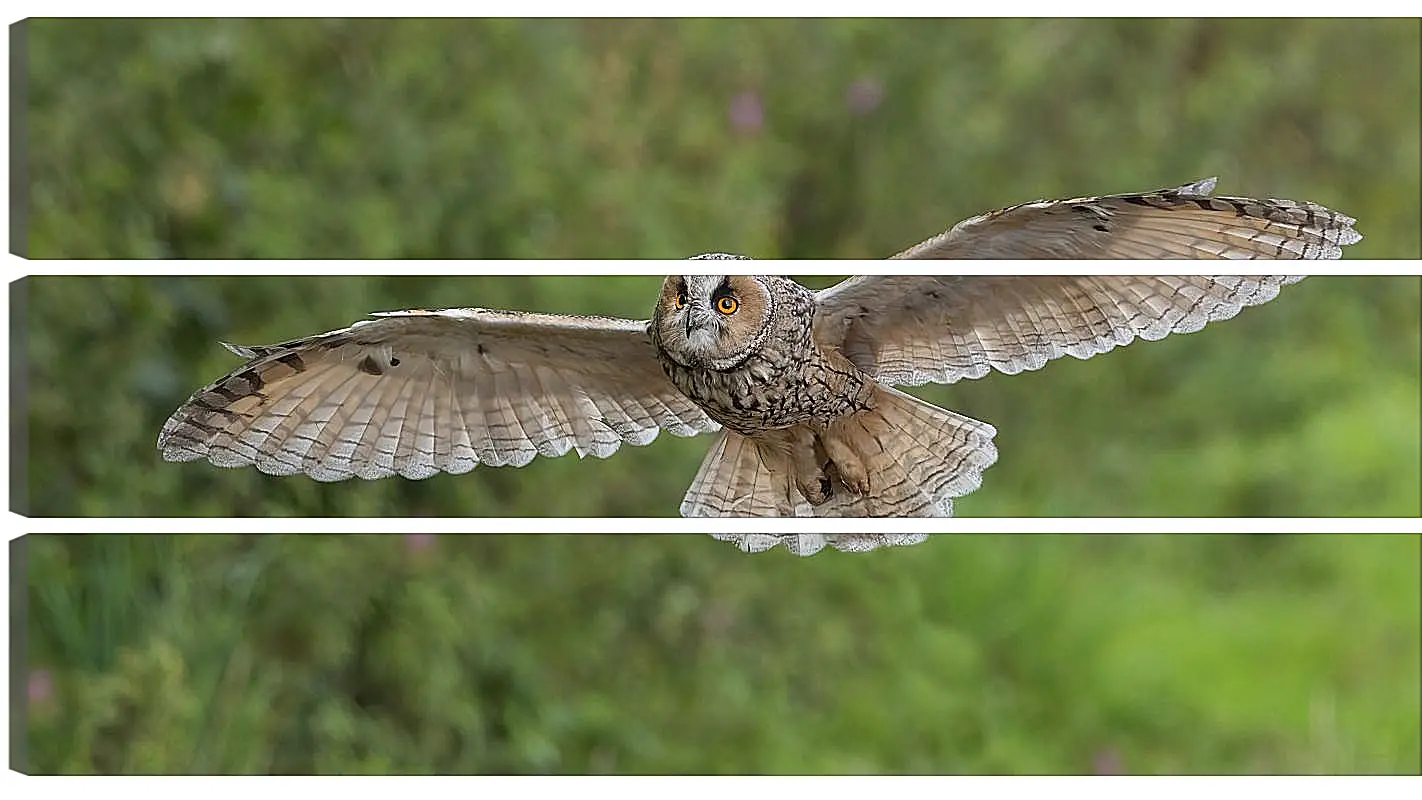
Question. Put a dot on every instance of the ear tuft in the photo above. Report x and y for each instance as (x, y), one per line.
(719, 257)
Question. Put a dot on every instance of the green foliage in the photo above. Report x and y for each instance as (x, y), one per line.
(662, 138)
(679, 654)
(1304, 407)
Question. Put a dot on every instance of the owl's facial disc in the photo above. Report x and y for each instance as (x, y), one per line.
(705, 303)
(708, 321)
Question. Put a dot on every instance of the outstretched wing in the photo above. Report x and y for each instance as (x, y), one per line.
(1185, 222)
(908, 330)
(414, 393)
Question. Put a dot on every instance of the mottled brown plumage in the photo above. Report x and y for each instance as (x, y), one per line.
(799, 384)
(811, 431)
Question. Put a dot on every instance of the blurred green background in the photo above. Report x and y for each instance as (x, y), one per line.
(680, 654)
(660, 139)
(663, 138)
(1306, 406)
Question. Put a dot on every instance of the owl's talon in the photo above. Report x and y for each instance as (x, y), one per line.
(859, 487)
(818, 490)
(847, 465)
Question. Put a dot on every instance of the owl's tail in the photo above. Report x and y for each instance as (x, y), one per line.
(903, 458)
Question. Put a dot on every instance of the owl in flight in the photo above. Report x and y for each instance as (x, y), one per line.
(798, 386)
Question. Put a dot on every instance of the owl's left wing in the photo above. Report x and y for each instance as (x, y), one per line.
(1184, 222)
(414, 393)
(908, 330)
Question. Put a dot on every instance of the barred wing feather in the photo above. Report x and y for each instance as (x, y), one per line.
(415, 393)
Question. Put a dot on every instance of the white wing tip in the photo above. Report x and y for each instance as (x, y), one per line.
(1203, 187)
(807, 544)
(238, 350)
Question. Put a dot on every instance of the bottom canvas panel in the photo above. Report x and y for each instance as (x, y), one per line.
(633, 654)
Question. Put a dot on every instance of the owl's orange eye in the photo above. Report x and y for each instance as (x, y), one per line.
(727, 305)
(679, 301)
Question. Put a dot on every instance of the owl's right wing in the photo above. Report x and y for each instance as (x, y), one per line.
(908, 330)
(414, 393)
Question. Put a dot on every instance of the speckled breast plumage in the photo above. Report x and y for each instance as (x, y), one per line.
(787, 381)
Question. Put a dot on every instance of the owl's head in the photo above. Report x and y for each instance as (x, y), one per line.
(712, 321)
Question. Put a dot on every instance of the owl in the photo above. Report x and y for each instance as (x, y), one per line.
(801, 389)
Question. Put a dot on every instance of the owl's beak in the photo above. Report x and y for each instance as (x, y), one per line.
(700, 326)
